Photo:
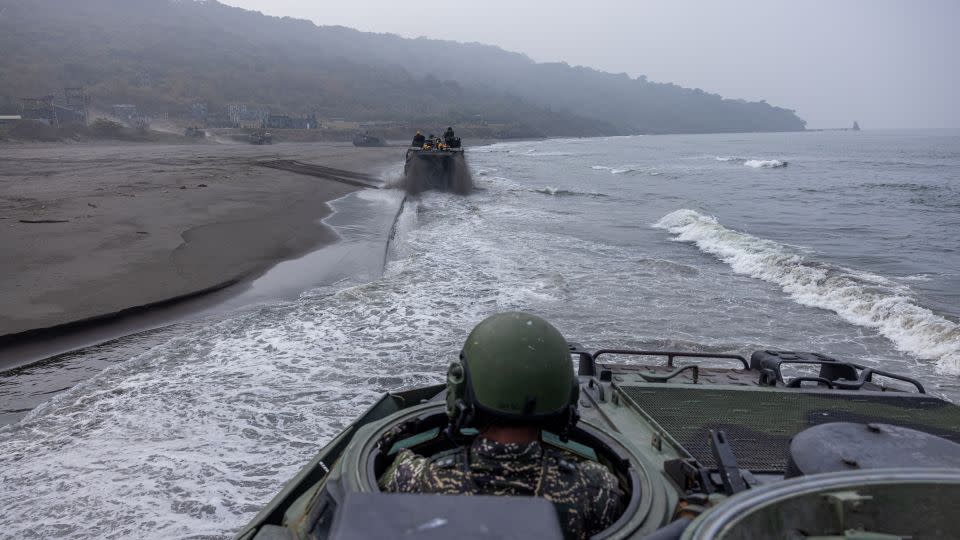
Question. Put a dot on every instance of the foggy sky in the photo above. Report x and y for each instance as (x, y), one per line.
(884, 63)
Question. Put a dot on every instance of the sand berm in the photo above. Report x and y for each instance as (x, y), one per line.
(90, 230)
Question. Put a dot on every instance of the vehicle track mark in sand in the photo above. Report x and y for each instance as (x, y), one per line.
(329, 173)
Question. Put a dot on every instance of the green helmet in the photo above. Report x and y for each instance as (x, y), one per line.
(514, 367)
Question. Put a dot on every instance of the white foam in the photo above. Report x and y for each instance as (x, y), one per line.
(861, 298)
(508, 183)
(550, 190)
(536, 153)
(612, 170)
(196, 435)
(391, 174)
(753, 163)
(765, 163)
(391, 197)
(917, 277)
(494, 148)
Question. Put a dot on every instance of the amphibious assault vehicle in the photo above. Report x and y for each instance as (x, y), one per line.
(780, 445)
(365, 139)
(261, 136)
(439, 167)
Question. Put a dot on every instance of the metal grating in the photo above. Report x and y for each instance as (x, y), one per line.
(759, 425)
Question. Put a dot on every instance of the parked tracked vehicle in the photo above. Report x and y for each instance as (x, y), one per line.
(705, 445)
(367, 140)
(261, 136)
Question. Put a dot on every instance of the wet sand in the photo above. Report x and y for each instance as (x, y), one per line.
(88, 231)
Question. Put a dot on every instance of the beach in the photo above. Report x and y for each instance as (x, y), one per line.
(91, 230)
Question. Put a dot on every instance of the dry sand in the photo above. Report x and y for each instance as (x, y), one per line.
(129, 225)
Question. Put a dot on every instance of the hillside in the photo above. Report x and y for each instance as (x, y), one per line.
(165, 55)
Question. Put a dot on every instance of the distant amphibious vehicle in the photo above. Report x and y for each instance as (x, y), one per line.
(365, 139)
(435, 163)
(783, 445)
(261, 136)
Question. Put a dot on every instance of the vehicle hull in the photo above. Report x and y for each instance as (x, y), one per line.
(441, 170)
(673, 434)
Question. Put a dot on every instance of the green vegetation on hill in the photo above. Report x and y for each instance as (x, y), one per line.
(165, 55)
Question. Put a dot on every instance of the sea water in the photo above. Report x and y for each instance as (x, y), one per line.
(837, 242)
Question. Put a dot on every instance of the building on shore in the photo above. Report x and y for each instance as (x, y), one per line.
(283, 121)
(245, 116)
(47, 109)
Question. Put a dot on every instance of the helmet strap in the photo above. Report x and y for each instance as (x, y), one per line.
(573, 416)
(573, 413)
(463, 415)
(463, 410)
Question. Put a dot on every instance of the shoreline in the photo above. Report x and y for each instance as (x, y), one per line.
(362, 220)
(230, 236)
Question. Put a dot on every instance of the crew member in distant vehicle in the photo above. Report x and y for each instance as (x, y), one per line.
(450, 139)
(514, 378)
(418, 139)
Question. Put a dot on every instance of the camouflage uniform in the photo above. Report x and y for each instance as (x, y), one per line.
(587, 495)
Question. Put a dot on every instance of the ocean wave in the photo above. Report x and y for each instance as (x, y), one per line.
(495, 148)
(535, 153)
(613, 170)
(753, 163)
(550, 190)
(859, 297)
(766, 163)
(917, 277)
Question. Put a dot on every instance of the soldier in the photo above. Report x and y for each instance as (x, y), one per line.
(514, 378)
(418, 139)
(450, 139)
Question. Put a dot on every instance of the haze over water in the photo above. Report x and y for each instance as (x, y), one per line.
(685, 242)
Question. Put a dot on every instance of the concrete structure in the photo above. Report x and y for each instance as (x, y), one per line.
(283, 121)
(40, 109)
(245, 116)
(78, 102)
(125, 112)
(71, 110)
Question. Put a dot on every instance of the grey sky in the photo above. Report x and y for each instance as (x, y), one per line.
(885, 63)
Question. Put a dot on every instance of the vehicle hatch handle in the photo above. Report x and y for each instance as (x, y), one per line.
(726, 463)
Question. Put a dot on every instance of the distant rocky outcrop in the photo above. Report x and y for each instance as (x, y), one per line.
(171, 55)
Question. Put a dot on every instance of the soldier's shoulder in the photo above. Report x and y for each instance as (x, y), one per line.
(593, 473)
(405, 471)
(597, 473)
(407, 456)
